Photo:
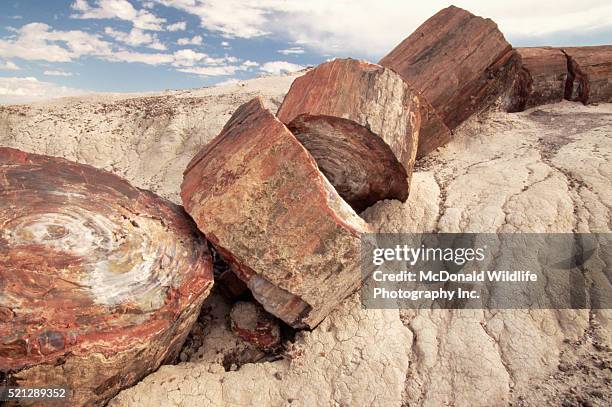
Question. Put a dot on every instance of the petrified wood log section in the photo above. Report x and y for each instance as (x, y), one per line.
(361, 123)
(540, 80)
(100, 282)
(590, 74)
(460, 63)
(261, 200)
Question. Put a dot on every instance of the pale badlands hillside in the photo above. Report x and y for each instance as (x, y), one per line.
(543, 170)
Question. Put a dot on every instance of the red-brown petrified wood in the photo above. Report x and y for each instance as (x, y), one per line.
(540, 80)
(460, 63)
(253, 324)
(100, 282)
(590, 74)
(361, 123)
(261, 200)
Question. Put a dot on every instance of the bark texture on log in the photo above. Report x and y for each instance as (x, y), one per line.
(590, 74)
(261, 200)
(540, 80)
(100, 282)
(361, 123)
(461, 64)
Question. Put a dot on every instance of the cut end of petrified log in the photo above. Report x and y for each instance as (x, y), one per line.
(261, 200)
(361, 124)
(101, 281)
(589, 74)
(460, 63)
(541, 79)
(358, 163)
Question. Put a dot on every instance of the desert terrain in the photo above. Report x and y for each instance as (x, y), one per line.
(546, 169)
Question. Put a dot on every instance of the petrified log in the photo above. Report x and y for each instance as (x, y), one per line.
(360, 122)
(100, 282)
(261, 200)
(461, 64)
(540, 80)
(253, 324)
(434, 133)
(590, 74)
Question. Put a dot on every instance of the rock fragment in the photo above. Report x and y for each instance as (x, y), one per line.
(100, 281)
(590, 74)
(460, 63)
(261, 200)
(253, 324)
(540, 80)
(361, 123)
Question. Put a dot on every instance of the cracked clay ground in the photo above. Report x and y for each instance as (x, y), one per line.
(544, 170)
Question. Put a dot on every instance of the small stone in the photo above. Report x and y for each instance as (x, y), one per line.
(253, 324)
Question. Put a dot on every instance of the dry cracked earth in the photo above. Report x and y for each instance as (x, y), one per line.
(543, 170)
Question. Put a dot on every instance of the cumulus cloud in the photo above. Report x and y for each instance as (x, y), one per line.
(57, 73)
(144, 58)
(28, 89)
(136, 38)
(291, 51)
(180, 26)
(8, 66)
(37, 41)
(196, 40)
(280, 67)
(117, 9)
(372, 27)
(223, 67)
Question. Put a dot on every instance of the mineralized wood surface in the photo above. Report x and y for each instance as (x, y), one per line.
(434, 133)
(250, 322)
(259, 197)
(590, 74)
(540, 80)
(361, 123)
(460, 63)
(100, 282)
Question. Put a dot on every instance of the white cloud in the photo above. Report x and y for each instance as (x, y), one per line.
(149, 59)
(212, 70)
(249, 64)
(8, 66)
(222, 67)
(36, 41)
(117, 9)
(180, 26)
(196, 40)
(28, 89)
(292, 50)
(280, 67)
(136, 38)
(225, 44)
(57, 73)
(375, 26)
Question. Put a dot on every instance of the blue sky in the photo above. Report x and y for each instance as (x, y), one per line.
(64, 47)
